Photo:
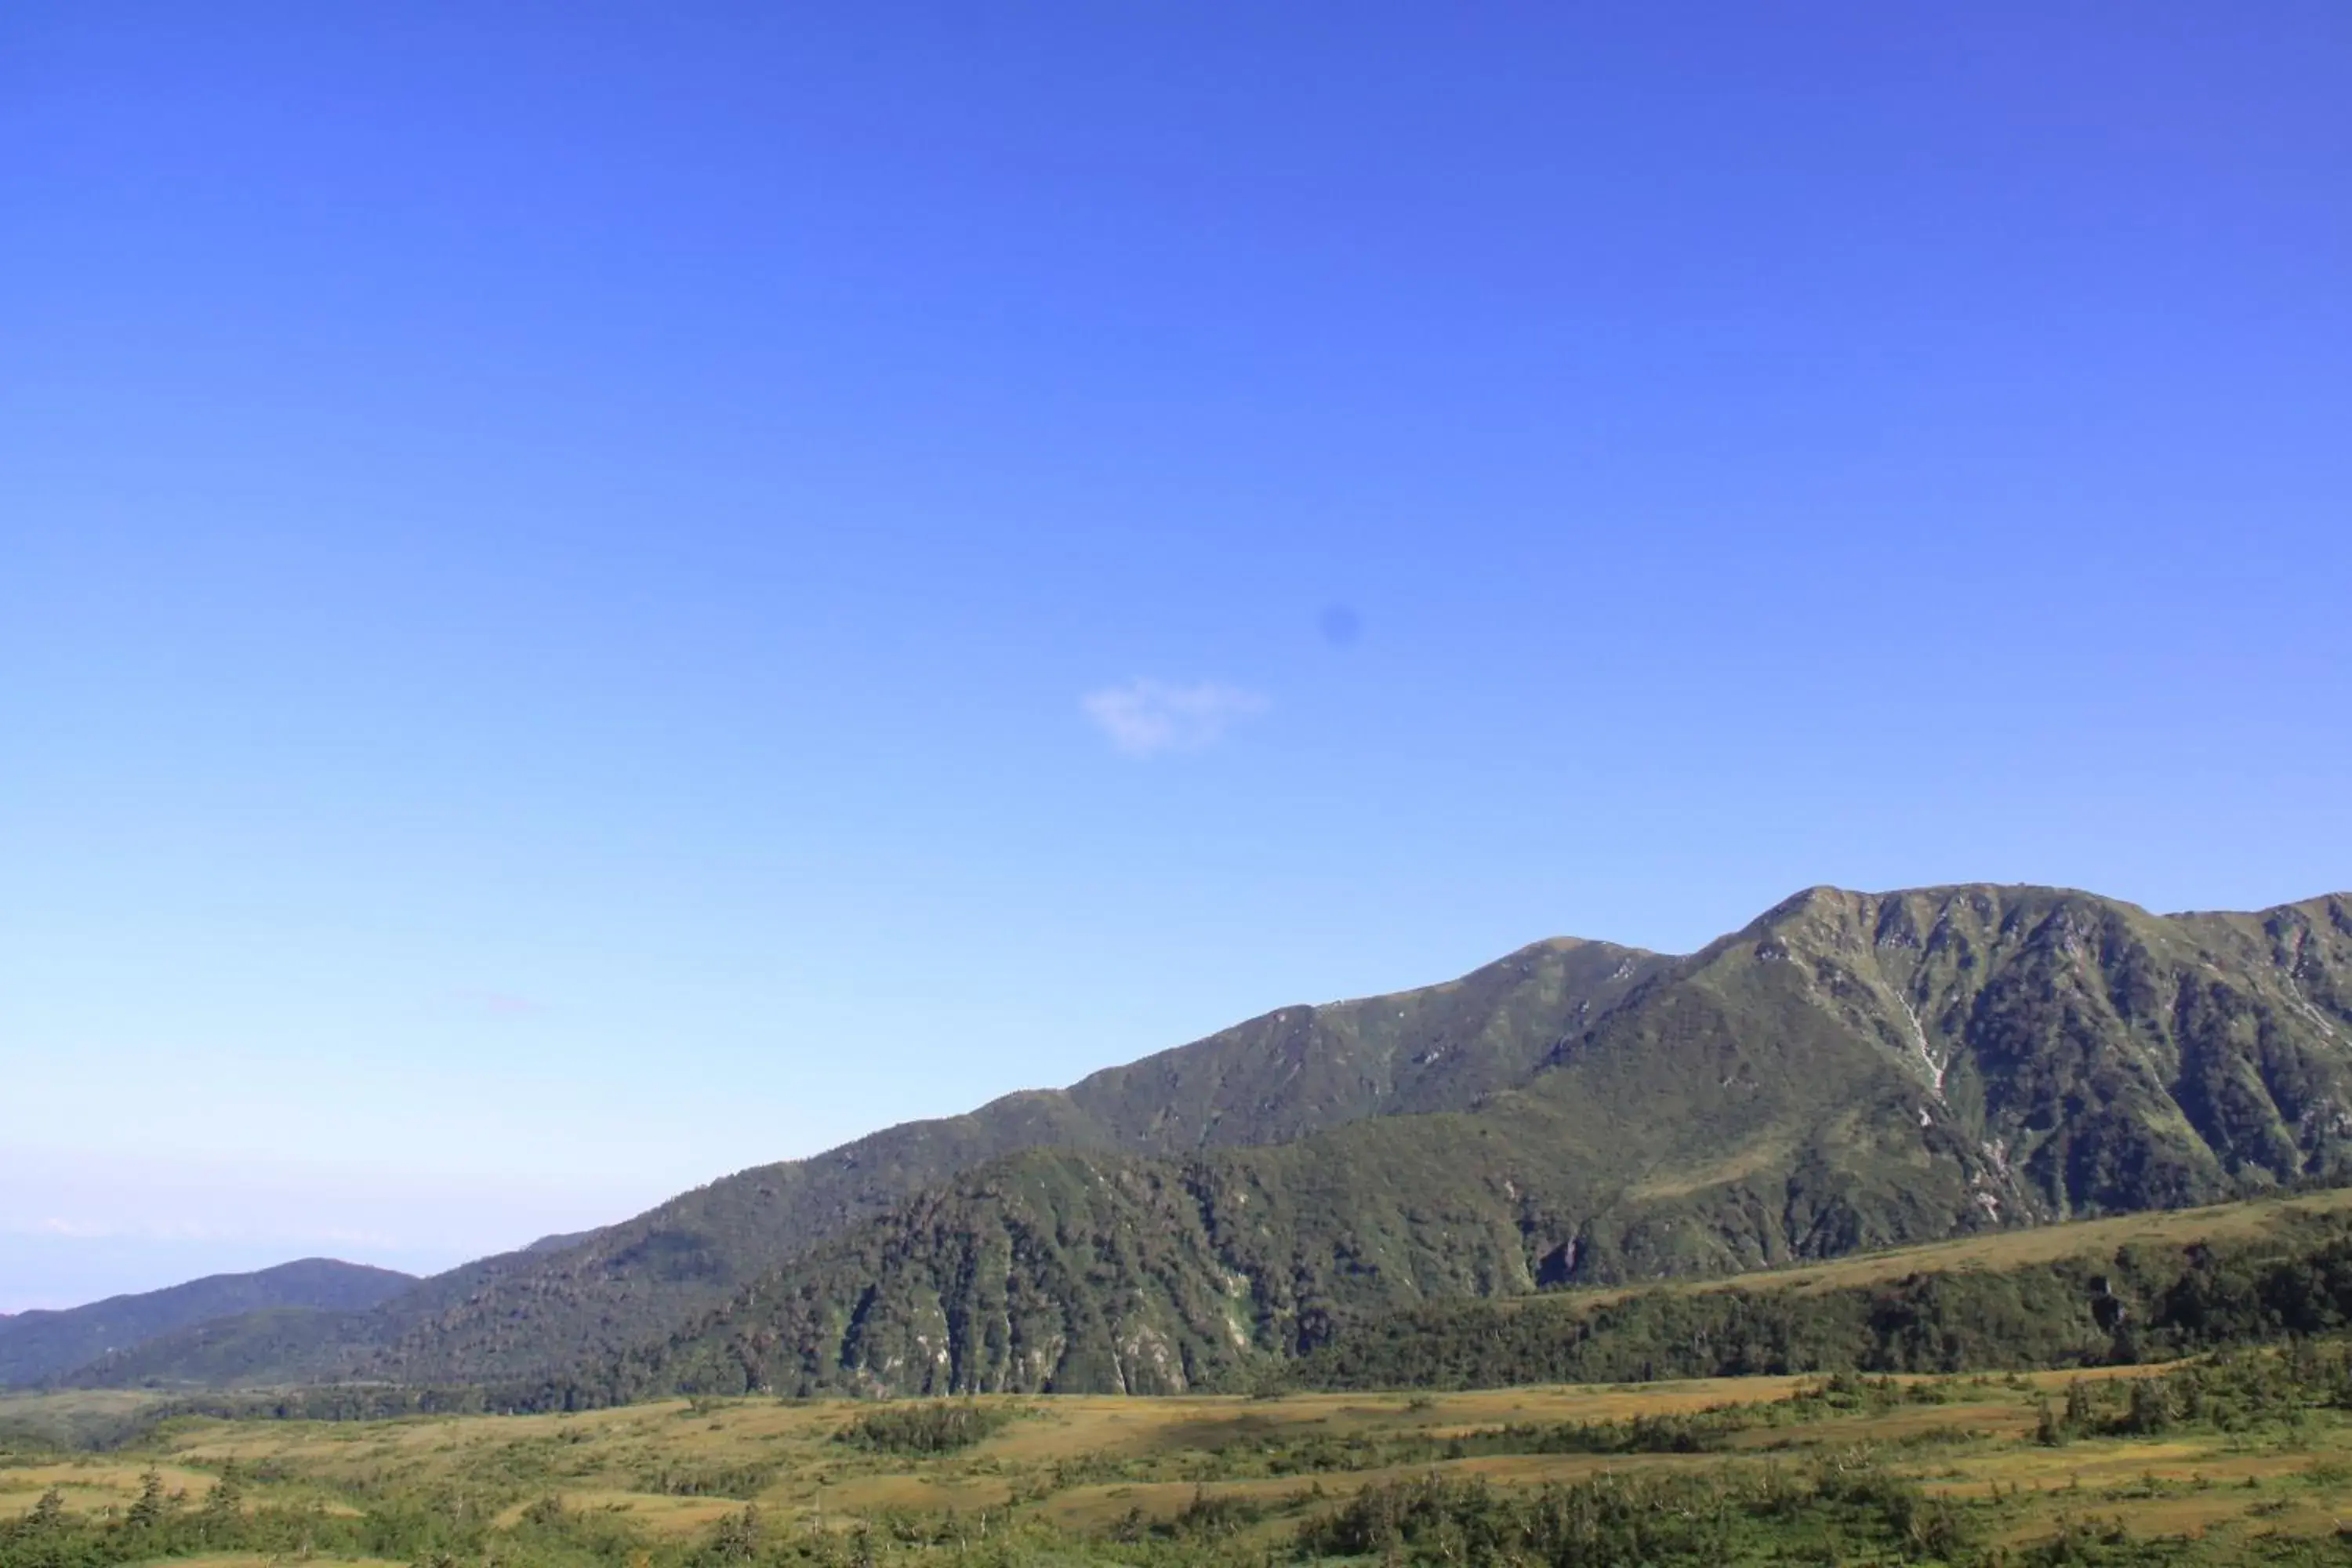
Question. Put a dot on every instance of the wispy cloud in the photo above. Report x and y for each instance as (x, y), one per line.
(78, 1230)
(1149, 718)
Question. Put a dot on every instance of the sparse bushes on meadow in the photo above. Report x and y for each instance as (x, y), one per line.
(931, 1426)
(1640, 1521)
(1742, 1484)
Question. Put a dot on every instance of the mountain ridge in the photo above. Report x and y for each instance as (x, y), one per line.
(1577, 1110)
(1331, 1062)
(42, 1344)
(1336, 1060)
(1841, 1186)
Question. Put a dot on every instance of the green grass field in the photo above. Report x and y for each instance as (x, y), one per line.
(2246, 1457)
(1097, 1468)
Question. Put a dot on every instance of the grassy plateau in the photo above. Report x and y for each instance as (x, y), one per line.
(2243, 1454)
(2245, 1457)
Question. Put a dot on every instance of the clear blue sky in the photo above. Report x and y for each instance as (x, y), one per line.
(594, 595)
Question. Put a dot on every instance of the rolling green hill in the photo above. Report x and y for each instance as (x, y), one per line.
(39, 1344)
(1848, 1071)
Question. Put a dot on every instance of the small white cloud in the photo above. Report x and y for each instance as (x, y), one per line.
(1147, 718)
(79, 1230)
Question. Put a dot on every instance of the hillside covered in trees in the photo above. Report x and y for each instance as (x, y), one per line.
(1849, 1072)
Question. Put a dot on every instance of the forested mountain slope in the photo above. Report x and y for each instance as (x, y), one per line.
(39, 1344)
(1849, 1071)
(1277, 1076)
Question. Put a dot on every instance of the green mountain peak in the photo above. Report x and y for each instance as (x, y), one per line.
(1849, 1070)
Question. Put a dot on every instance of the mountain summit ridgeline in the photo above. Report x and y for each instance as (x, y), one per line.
(1849, 1070)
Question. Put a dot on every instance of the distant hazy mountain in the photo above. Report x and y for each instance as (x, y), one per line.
(1850, 1070)
(40, 1344)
